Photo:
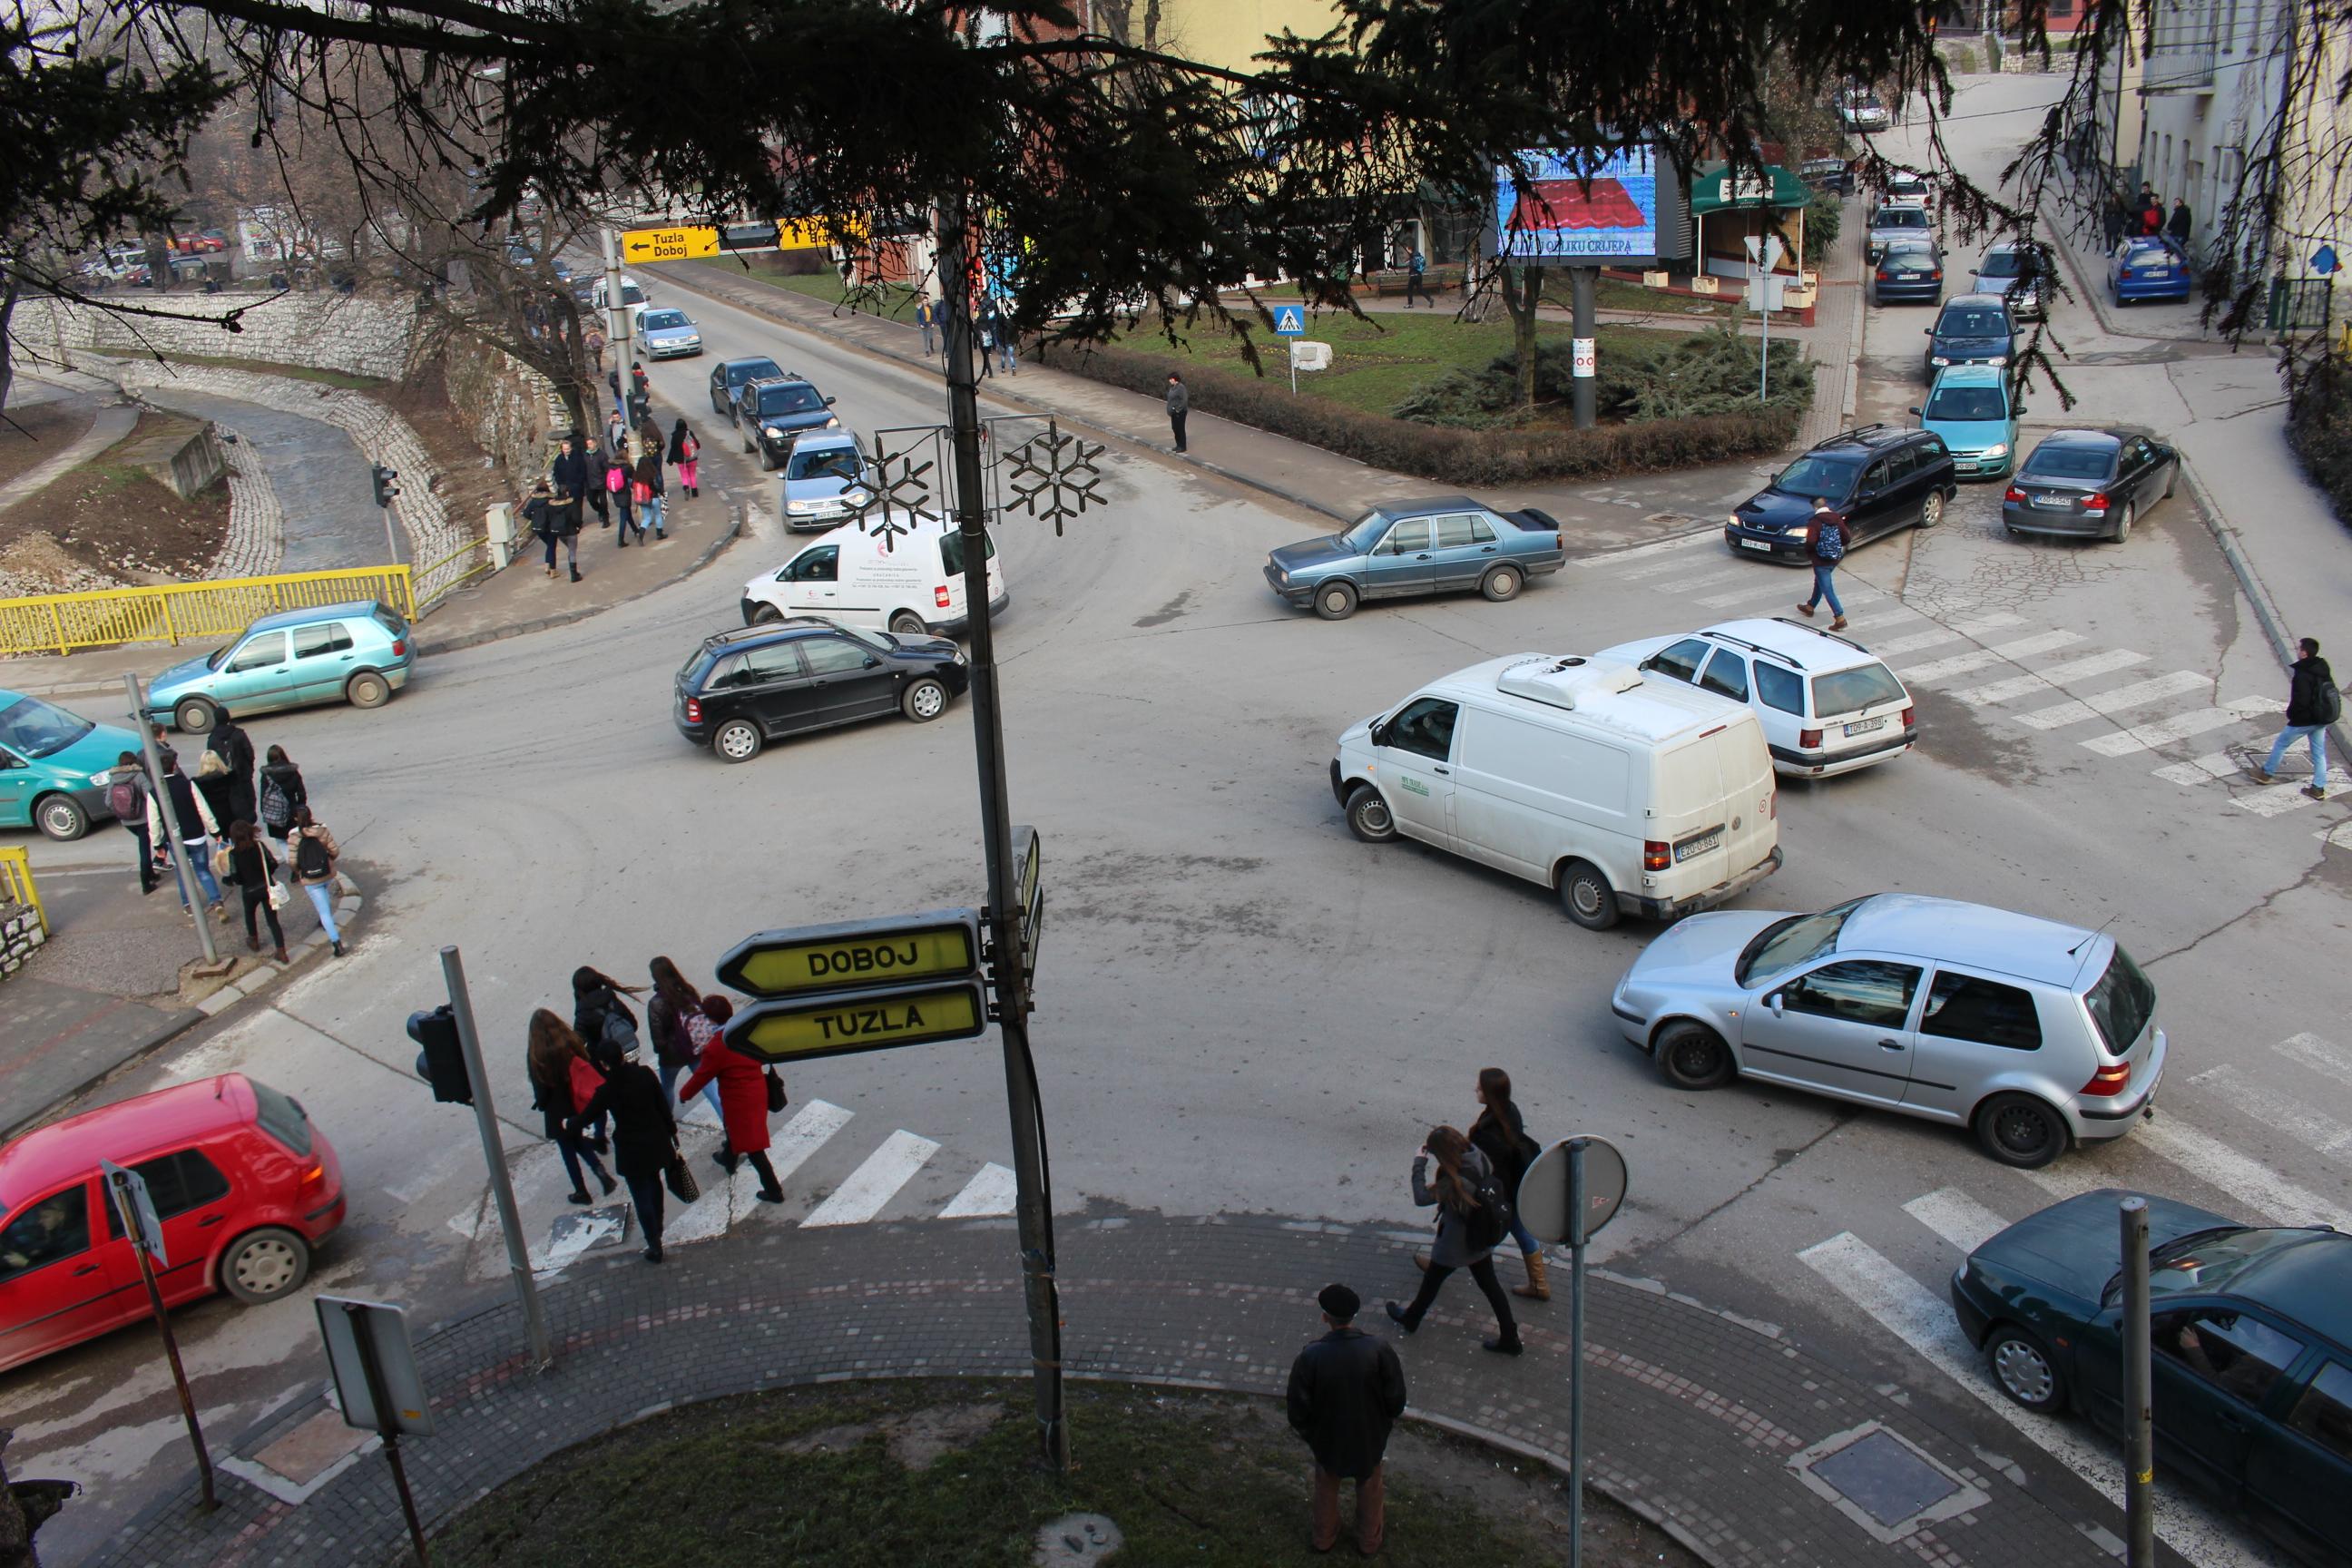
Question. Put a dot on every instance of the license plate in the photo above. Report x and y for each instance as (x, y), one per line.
(1865, 726)
(1755, 544)
(2055, 503)
(1690, 848)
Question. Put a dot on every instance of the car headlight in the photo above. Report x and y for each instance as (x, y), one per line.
(1997, 450)
(803, 507)
(832, 424)
(1997, 360)
(1732, 520)
(1937, 359)
(776, 430)
(858, 496)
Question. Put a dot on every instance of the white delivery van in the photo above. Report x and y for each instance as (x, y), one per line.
(1628, 793)
(903, 575)
(633, 301)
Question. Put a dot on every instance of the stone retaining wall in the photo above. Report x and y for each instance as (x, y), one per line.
(360, 334)
(20, 932)
(510, 409)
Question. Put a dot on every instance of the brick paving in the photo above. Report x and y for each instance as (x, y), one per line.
(1692, 1418)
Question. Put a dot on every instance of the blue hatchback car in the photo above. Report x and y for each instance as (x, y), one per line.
(1972, 408)
(55, 766)
(359, 653)
(2147, 267)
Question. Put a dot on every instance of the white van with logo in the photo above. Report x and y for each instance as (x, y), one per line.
(1625, 794)
(904, 574)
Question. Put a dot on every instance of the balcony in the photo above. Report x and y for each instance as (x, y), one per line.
(2183, 57)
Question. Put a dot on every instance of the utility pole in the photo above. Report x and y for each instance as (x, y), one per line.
(1581, 291)
(494, 1156)
(959, 272)
(2140, 1426)
(170, 818)
(617, 321)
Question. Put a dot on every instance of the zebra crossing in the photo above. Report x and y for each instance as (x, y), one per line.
(1900, 1280)
(2112, 703)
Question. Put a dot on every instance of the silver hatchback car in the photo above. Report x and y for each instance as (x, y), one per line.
(2033, 1035)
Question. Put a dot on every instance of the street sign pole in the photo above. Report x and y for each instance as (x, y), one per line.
(494, 1156)
(1567, 1194)
(1580, 308)
(617, 320)
(164, 815)
(119, 1185)
(1577, 1238)
(381, 1402)
(2139, 1427)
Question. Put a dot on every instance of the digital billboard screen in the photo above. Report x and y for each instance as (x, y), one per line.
(1579, 206)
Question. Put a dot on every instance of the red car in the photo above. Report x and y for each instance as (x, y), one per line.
(245, 1187)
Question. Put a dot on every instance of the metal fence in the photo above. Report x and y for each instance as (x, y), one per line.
(182, 612)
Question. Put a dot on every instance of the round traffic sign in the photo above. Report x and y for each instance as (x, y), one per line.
(1543, 1191)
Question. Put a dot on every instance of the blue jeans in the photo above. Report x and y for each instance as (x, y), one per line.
(322, 899)
(651, 514)
(200, 862)
(1825, 587)
(710, 1091)
(1527, 1244)
(2317, 736)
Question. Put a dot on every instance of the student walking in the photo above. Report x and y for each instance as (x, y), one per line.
(744, 1097)
(1180, 403)
(539, 512)
(1473, 1214)
(2313, 703)
(192, 821)
(1346, 1390)
(234, 747)
(684, 451)
(562, 1084)
(567, 476)
(927, 316)
(647, 490)
(644, 1137)
(253, 869)
(2178, 227)
(1827, 548)
(127, 797)
(1416, 280)
(606, 1028)
(620, 483)
(674, 1018)
(314, 852)
(1501, 1135)
(282, 791)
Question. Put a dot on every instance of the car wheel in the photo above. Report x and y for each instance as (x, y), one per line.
(1334, 601)
(2022, 1366)
(368, 690)
(1932, 514)
(766, 615)
(1692, 1056)
(2121, 529)
(907, 624)
(1501, 584)
(767, 461)
(1587, 896)
(2020, 1131)
(61, 817)
(925, 700)
(737, 740)
(1368, 817)
(263, 1264)
(194, 717)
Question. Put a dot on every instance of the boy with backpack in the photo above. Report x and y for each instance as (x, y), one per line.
(314, 853)
(1827, 550)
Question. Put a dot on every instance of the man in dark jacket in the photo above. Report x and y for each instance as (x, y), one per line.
(1346, 1390)
(229, 741)
(2183, 222)
(568, 476)
(2313, 703)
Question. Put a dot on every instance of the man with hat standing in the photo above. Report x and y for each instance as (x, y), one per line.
(1346, 1390)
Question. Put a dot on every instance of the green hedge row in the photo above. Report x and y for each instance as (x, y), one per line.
(2319, 430)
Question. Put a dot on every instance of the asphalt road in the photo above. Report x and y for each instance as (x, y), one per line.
(1240, 1008)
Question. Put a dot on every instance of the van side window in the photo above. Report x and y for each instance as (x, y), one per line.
(820, 565)
(56, 1227)
(1859, 991)
(1782, 689)
(1424, 728)
(1963, 1007)
(1726, 676)
(1680, 659)
(175, 1184)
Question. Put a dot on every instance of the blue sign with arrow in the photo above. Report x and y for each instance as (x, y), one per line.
(2324, 262)
(1289, 321)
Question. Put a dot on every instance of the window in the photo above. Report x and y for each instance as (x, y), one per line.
(951, 551)
(1816, 475)
(1726, 676)
(1680, 659)
(2237, 1355)
(1780, 689)
(1851, 690)
(831, 656)
(828, 463)
(1973, 322)
(2055, 462)
(788, 397)
(2324, 1414)
(1407, 538)
(309, 642)
(1873, 477)
(727, 672)
(763, 666)
(33, 728)
(56, 1227)
(2121, 1004)
(1479, 532)
(1902, 464)
(1867, 991)
(822, 565)
(281, 1116)
(1460, 531)
(175, 1184)
(1784, 944)
(1968, 404)
(1424, 728)
(1963, 1007)
(259, 653)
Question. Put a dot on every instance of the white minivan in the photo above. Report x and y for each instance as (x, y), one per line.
(904, 575)
(1627, 794)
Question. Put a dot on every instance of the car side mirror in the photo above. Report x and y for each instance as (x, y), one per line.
(1915, 414)
(1927, 331)
(871, 661)
(828, 403)
(1774, 1002)
(1379, 734)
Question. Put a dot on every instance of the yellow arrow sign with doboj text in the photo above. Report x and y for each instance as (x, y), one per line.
(643, 245)
(804, 1028)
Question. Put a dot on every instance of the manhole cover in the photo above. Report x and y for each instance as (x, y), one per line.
(1883, 1483)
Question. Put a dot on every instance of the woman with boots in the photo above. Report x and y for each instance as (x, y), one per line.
(683, 452)
(1501, 1135)
(1467, 1230)
(742, 1101)
(253, 869)
(644, 1135)
(559, 1071)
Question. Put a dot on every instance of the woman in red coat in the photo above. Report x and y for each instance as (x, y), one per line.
(742, 1101)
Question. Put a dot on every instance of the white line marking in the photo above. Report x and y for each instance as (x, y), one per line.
(2070, 1178)
(2323, 1134)
(875, 1183)
(1691, 541)
(1795, 590)
(1951, 633)
(2081, 710)
(1925, 1323)
(991, 1191)
(2320, 1056)
(2338, 837)
(2006, 653)
(2180, 727)
(2248, 1181)
(2205, 769)
(1956, 1217)
(805, 1134)
(2275, 801)
(2052, 676)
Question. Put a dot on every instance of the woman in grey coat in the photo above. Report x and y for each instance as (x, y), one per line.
(1461, 1172)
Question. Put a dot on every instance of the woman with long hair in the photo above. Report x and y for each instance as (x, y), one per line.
(742, 1100)
(283, 793)
(1501, 1134)
(645, 1138)
(606, 1028)
(680, 1030)
(685, 453)
(555, 1052)
(253, 869)
(1463, 1232)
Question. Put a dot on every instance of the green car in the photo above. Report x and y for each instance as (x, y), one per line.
(55, 766)
(2251, 1340)
(359, 653)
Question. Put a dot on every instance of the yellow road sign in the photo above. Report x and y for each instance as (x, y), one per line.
(806, 1028)
(643, 245)
(942, 945)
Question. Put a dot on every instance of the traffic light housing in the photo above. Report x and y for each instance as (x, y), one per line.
(442, 1063)
(387, 484)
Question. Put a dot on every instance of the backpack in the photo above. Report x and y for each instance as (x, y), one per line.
(122, 799)
(276, 811)
(2331, 704)
(1486, 1225)
(310, 861)
(618, 1031)
(1830, 543)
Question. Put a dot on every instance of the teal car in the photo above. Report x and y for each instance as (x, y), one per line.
(55, 766)
(359, 653)
(1974, 409)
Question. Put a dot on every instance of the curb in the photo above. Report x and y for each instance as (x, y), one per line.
(711, 552)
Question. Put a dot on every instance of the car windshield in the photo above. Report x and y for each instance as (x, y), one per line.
(1366, 530)
(1900, 218)
(655, 320)
(833, 463)
(1972, 323)
(1967, 403)
(31, 728)
(2001, 264)
(1851, 690)
(752, 369)
(2069, 463)
(1817, 476)
(1784, 944)
(792, 397)
(631, 294)
(2206, 1260)
(2122, 1003)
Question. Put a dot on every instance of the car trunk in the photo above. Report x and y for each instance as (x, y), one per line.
(1857, 710)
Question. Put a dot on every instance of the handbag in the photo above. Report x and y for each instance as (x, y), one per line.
(679, 1177)
(585, 1081)
(641, 492)
(776, 1099)
(278, 894)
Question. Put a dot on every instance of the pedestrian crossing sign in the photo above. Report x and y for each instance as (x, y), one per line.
(1289, 321)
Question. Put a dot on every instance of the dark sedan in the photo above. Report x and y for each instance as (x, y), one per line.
(1974, 329)
(1452, 545)
(2251, 1335)
(1911, 272)
(741, 690)
(2089, 484)
(729, 376)
(1878, 478)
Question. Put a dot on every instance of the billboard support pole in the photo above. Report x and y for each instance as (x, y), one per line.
(1580, 292)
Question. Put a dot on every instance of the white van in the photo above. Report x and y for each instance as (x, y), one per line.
(1628, 795)
(633, 299)
(906, 576)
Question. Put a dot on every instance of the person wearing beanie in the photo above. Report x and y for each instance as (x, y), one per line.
(1346, 1390)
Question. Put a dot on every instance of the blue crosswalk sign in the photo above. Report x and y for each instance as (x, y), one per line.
(1289, 321)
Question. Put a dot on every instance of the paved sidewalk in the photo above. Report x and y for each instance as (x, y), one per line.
(114, 422)
(1747, 1446)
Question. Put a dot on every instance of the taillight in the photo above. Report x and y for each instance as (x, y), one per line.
(315, 1175)
(2122, 272)
(2013, 494)
(2098, 503)
(1908, 721)
(939, 595)
(1656, 855)
(693, 711)
(1808, 740)
(1937, 277)
(1558, 540)
(1885, 275)
(2108, 1080)
(400, 648)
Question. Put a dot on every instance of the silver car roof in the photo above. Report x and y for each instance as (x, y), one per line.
(1974, 936)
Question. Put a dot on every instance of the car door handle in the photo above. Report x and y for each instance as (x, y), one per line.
(85, 1268)
(1422, 556)
(1489, 550)
(1890, 1045)
(209, 1220)
(1441, 770)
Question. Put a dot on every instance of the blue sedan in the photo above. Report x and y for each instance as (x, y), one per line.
(1451, 545)
(2146, 266)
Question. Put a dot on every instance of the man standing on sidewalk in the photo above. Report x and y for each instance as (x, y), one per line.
(1346, 1390)
(2313, 703)
(927, 316)
(1179, 403)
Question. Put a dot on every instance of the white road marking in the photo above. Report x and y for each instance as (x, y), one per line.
(875, 1183)
(2069, 1178)
(2275, 801)
(1956, 1217)
(2338, 837)
(2205, 769)
(2180, 727)
(805, 1134)
(2320, 1056)
(2288, 1115)
(1925, 1323)
(2248, 1181)
(1691, 541)
(1661, 568)
(2052, 676)
(1796, 590)
(1954, 632)
(2006, 653)
(2082, 709)
(990, 1192)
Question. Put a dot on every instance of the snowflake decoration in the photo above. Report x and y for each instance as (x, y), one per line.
(1053, 477)
(905, 485)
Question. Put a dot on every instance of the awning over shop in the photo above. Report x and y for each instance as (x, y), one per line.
(1714, 189)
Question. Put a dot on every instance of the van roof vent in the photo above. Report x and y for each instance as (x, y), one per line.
(1568, 681)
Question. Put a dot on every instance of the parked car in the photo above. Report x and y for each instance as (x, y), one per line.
(2147, 267)
(1828, 705)
(1972, 329)
(2033, 1035)
(1973, 409)
(2251, 1341)
(741, 690)
(1892, 221)
(1828, 172)
(729, 376)
(827, 478)
(244, 1185)
(904, 576)
(1909, 186)
(769, 413)
(2023, 272)
(2089, 483)
(55, 766)
(359, 652)
(1880, 477)
(1909, 272)
(1624, 794)
(1449, 545)
(668, 333)
(1858, 109)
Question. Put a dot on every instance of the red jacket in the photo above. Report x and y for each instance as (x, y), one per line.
(742, 1094)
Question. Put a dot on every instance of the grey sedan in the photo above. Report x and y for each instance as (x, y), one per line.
(2089, 484)
(1894, 221)
(1452, 545)
(668, 335)
(1910, 271)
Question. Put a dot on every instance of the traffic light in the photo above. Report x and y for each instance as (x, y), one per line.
(387, 484)
(442, 1063)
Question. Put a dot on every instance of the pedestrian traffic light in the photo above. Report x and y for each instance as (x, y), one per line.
(387, 484)
(442, 1063)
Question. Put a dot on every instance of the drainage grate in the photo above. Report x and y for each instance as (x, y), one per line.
(1884, 1483)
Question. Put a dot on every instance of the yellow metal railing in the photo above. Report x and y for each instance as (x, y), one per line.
(436, 580)
(17, 883)
(182, 612)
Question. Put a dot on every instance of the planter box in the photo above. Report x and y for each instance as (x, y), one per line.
(1703, 285)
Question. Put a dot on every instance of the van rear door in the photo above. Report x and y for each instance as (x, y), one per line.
(1713, 805)
(1746, 764)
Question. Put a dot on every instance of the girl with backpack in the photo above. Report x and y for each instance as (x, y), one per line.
(674, 1014)
(1501, 1135)
(253, 869)
(562, 1085)
(126, 798)
(619, 484)
(314, 852)
(608, 1029)
(282, 794)
(684, 451)
(1473, 1216)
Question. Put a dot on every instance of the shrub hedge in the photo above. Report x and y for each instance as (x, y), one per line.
(2319, 430)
